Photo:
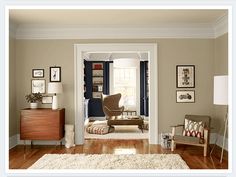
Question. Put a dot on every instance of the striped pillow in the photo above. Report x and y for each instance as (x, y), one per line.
(192, 128)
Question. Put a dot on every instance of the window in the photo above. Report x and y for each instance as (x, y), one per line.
(125, 83)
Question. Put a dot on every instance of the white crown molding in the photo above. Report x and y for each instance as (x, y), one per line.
(32, 32)
(202, 30)
(221, 26)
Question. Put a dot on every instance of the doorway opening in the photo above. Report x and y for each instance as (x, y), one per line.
(121, 72)
(114, 84)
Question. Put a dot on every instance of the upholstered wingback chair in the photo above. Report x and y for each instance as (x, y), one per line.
(195, 131)
(110, 105)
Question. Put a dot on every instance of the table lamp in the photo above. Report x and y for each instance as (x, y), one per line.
(54, 88)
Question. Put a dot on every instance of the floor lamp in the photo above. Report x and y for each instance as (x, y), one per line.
(221, 98)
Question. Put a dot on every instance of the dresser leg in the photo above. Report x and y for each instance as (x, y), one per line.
(31, 144)
(24, 149)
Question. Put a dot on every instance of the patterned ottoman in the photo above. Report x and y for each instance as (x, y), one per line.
(98, 127)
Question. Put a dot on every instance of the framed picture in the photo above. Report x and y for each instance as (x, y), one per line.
(37, 73)
(185, 96)
(55, 74)
(38, 85)
(47, 100)
(185, 76)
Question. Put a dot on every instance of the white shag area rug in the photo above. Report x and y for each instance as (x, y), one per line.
(121, 132)
(110, 161)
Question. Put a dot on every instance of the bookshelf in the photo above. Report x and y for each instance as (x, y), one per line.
(97, 79)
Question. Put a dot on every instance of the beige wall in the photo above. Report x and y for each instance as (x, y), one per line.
(12, 90)
(33, 54)
(171, 52)
(198, 52)
(220, 68)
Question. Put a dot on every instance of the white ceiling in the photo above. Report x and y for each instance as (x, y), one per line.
(113, 18)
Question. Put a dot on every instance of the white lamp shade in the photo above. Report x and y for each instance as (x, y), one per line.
(221, 90)
(126, 63)
(55, 87)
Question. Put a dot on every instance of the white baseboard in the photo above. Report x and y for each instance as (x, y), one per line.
(12, 141)
(39, 142)
(219, 140)
(213, 137)
(15, 140)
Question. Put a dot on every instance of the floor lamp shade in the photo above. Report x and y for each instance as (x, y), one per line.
(221, 90)
(126, 62)
(55, 88)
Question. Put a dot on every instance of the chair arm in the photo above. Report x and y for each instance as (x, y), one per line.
(205, 135)
(177, 125)
(173, 129)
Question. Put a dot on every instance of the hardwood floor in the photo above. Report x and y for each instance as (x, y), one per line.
(192, 155)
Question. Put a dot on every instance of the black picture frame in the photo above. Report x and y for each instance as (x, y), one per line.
(185, 76)
(55, 74)
(38, 85)
(185, 96)
(38, 73)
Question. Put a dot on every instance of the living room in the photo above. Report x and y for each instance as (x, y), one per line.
(112, 73)
(55, 39)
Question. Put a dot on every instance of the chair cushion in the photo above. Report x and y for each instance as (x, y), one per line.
(192, 128)
(188, 139)
(98, 127)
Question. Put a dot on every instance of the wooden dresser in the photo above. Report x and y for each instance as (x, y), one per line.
(42, 124)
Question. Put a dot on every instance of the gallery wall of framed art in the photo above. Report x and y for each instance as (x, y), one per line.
(185, 78)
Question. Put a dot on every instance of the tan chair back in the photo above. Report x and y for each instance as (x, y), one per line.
(111, 102)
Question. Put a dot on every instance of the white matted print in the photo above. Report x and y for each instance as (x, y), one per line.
(38, 86)
(185, 96)
(55, 74)
(47, 100)
(37, 73)
(185, 76)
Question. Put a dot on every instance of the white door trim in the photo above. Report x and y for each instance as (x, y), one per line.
(151, 48)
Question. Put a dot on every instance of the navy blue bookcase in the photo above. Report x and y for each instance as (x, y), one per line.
(95, 104)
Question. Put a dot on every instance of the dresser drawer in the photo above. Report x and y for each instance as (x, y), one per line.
(42, 124)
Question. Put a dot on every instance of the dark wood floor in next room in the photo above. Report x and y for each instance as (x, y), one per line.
(192, 155)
